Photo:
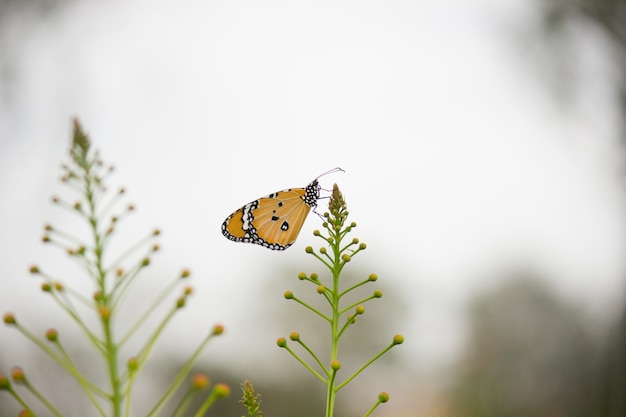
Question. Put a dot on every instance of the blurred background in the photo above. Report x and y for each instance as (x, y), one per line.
(483, 143)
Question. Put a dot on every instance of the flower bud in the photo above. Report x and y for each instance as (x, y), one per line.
(221, 390)
(9, 318)
(132, 364)
(200, 381)
(52, 335)
(4, 382)
(104, 311)
(218, 329)
(18, 375)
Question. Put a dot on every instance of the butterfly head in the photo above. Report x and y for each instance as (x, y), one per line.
(312, 193)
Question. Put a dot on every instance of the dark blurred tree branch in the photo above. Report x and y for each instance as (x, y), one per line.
(609, 16)
(530, 355)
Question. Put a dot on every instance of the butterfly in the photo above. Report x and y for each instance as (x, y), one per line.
(274, 221)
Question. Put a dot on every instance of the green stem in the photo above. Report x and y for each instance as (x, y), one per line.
(329, 266)
(314, 356)
(128, 393)
(66, 364)
(111, 357)
(354, 287)
(180, 377)
(207, 404)
(334, 328)
(145, 351)
(371, 410)
(319, 313)
(360, 302)
(183, 405)
(351, 320)
(362, 368)
(167, 291)
(43, 399)
(110, 347)
(20, 400)
(307, 366)
(66, 304)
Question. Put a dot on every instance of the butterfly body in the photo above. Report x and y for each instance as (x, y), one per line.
(273, 221)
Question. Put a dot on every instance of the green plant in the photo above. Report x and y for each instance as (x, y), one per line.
(112, 280)
(250, 400)
(337, 253)
(86, 174)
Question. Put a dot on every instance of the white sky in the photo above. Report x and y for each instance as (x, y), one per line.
(458, 164)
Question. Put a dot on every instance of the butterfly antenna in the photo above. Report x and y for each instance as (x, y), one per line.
(330, 171)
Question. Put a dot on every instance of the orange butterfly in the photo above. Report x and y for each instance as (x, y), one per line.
(274, 221)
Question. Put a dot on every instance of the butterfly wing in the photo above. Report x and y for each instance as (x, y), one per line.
(273, 221)
(278, 220)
